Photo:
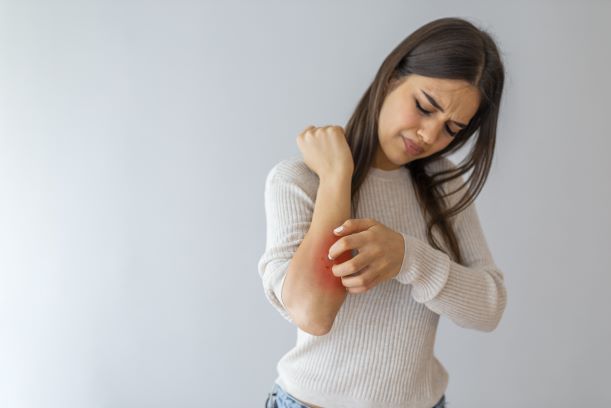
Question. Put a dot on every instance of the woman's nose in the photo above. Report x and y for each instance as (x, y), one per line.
(429, 133)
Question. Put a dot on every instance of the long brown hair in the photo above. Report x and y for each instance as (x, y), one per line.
(450, 48)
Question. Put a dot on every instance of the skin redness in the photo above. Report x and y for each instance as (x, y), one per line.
(327, 277)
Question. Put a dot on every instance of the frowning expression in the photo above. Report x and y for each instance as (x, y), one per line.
(426, 111)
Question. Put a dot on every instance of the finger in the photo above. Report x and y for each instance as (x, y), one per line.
(354, 242)
(358, 290)
(344, 244)
(309, 128)
(353, 225)
(354, 266)
(360, 287)
(361, 279)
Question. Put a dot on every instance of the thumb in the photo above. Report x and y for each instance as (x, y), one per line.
(353, 225)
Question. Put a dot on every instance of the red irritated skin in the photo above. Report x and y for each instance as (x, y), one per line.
(327, 278)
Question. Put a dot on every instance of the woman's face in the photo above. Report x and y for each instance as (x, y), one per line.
(404, 116)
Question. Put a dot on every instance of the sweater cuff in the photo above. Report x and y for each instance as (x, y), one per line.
(424, 267)
(278, 290)
(277, 283)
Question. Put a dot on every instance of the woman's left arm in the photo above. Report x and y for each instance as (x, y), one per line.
(472, 295)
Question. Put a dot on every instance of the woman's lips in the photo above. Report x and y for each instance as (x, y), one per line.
(411, 147)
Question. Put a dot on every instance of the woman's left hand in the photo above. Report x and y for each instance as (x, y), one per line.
(379, 258)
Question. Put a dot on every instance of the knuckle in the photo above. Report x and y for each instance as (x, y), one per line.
(306, 130)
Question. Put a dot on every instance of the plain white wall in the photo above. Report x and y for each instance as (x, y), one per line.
(135, 137)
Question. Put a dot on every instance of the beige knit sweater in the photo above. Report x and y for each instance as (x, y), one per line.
(380, 350)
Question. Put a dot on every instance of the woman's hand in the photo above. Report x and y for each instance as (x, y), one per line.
(380, 254)
(325, 151)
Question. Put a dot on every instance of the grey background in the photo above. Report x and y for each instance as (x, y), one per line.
(135, 137)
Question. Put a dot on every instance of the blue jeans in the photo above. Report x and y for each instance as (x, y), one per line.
(279, 398)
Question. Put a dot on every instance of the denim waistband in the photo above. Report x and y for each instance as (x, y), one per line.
(279, 397)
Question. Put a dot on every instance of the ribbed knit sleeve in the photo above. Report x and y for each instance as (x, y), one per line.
(380, 350)
(472, 295)
(289, 205)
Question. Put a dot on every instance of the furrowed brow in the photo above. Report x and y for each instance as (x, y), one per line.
(437, 106)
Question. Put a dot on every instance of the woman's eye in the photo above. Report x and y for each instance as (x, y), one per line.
(428, 113)
(421, 108)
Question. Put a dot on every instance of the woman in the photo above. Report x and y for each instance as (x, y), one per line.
(366, 300)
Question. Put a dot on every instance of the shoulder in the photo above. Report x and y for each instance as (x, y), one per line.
(293, 171)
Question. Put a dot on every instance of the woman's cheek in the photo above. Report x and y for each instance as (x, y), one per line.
(409, 120)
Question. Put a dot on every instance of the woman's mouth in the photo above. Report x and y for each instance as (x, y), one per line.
(411, 147)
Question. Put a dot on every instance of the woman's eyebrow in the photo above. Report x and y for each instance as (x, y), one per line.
(436, 105)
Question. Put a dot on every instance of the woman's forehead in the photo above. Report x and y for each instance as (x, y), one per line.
(441, 86)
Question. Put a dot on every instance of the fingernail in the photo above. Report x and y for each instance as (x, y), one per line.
(338, 229)
(329, 256)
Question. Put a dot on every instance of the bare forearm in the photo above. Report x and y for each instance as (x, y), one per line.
(311, 293)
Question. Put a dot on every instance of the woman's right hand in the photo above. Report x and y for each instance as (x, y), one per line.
(325, 151)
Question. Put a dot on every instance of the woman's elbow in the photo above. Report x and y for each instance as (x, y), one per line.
(495, 317)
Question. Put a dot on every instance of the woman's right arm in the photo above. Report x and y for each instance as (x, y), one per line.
(311, 293)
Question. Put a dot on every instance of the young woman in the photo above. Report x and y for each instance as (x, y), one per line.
(367, 299)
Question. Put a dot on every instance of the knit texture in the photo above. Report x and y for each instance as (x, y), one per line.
(380, 350)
